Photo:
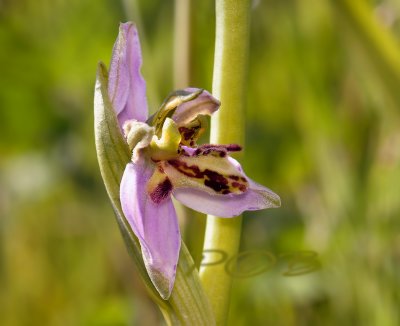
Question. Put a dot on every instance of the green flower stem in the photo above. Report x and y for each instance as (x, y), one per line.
(380, 45)
(182, 33)
(227, 126)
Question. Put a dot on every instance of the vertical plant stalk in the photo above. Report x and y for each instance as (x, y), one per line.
(182, 44)
(227, 126)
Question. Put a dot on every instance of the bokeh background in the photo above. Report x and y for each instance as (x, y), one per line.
(323, 113)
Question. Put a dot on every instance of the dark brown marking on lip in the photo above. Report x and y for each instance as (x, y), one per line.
(216, 150)
(229, 147)
(190, 134)
(191, 171)
(212, 179)
(162, 191)
(215, 185)
(233, 148)
(238, 185)
(197, 152)
(215, 181)
(187, 133)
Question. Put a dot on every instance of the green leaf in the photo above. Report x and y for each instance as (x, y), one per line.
(188, 304)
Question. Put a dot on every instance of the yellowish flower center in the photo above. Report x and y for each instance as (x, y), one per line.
(166, 147)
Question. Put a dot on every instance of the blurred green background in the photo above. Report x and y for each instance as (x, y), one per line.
(322, 131)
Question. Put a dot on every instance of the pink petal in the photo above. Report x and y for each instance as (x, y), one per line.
(126, 86)
(255, 198)
(204, 104)
(155, 225)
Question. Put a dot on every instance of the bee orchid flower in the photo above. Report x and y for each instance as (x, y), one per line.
(166, 161)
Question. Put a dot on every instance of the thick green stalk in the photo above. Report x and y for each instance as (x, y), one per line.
(227, 126)
(182, 44)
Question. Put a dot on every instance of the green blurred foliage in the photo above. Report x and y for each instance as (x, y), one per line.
(322, 131)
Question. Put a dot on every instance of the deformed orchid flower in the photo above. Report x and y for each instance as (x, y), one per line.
(167, 161)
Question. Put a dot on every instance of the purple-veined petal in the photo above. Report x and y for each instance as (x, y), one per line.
(204, 104)
(126, 86)
(155, 225)
(255, 197)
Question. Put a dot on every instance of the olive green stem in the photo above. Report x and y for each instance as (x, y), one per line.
(227, 126)
(182, 44)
